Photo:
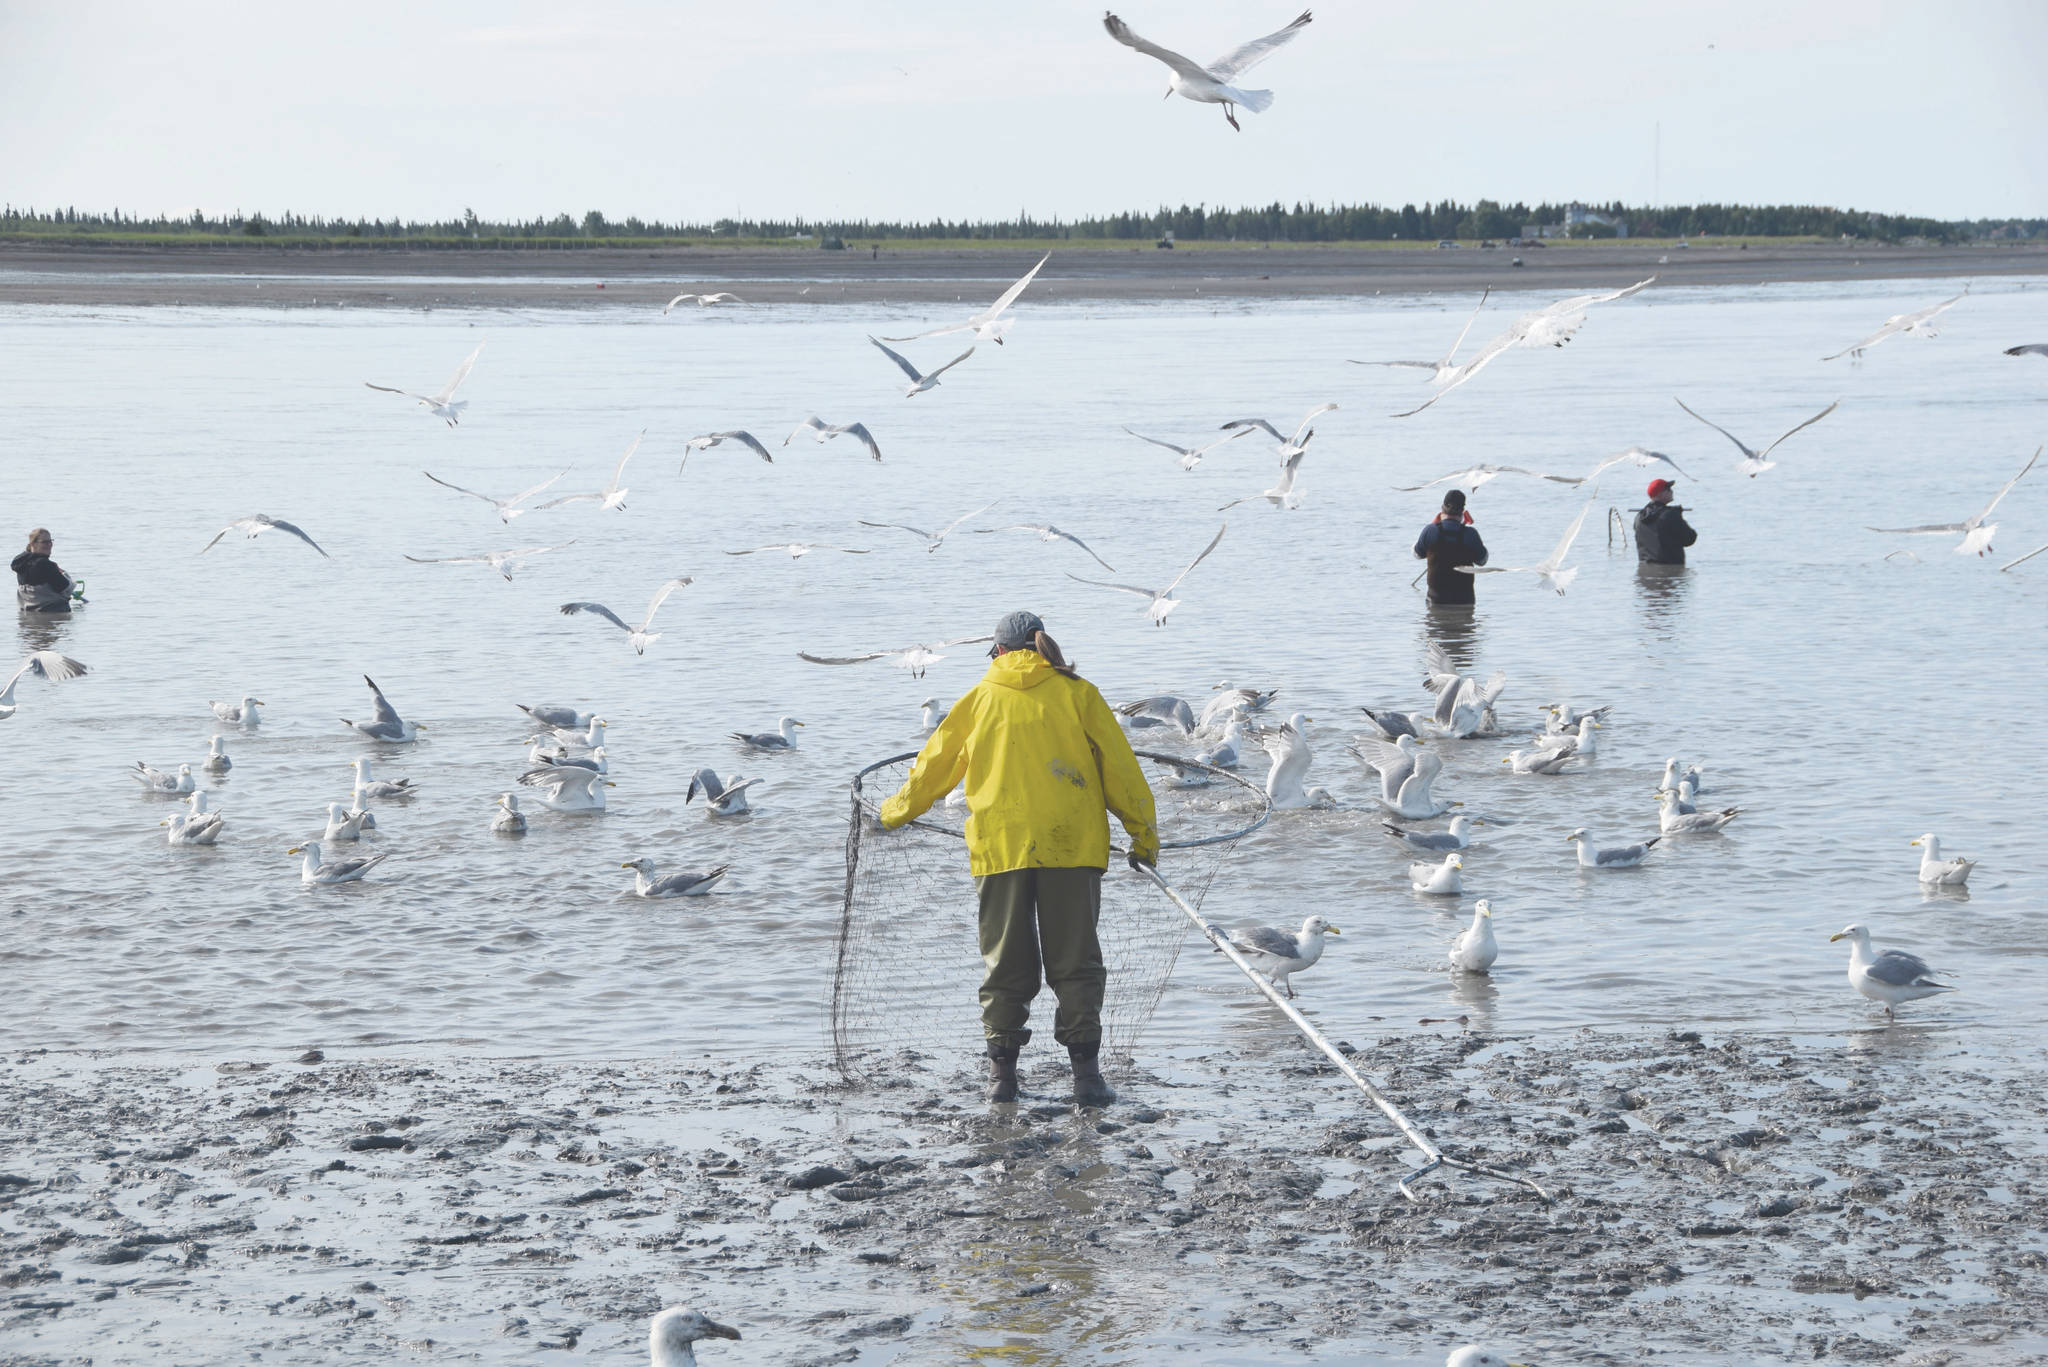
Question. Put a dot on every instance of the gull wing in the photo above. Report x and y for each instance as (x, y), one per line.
(387, 389)
(49, 664)
(1462, 331)
(1436, 661)
(845, 659)
(1579, 302)
(1267, 940)
(673, 302)
(518, 499)
(1898, 323)
(1178, 450)
(1246, 424)
(816, 426)
(1239, 60)
(947, 530)
(281, 525)
(386, 714)
(1465, 473)
(459, 489)
(1487, 353)
(1196, 561)
(2030, 349)
(620, 473)
(1105, 584)
(1928, 530)
(661, 596)
(1494, 685)
(461, 374)
(1978, 520)
(449, 560)
(565, 499)
(865, 437)
(1313, 414)
(571, 609)
(940, 331)
(232, 526)
(904, 365)
(1009, 296)
(1878, 336)
(960, 641)
(1754, 455)
(1563, 548)
(1801, 428)
(898, 526)
(1897, 968)
(1184, 66)
(950, 364)
(747, 440)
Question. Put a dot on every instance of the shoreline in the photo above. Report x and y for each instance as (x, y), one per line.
(612, 279)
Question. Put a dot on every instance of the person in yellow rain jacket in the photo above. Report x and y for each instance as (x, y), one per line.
(1044, 762)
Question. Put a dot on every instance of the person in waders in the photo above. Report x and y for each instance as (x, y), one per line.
(1045, 762)
(40, 586)
(1662, 533)
(1446, 543)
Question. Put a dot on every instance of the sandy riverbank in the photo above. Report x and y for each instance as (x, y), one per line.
(639, 279)
(1745, 1199)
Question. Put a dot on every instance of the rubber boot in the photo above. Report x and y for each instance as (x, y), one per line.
(1002, 1074)
(1089, 1087)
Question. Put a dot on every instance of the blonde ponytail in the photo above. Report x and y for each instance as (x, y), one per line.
(1049, 651)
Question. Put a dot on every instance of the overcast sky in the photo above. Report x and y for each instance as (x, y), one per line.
(898, 110)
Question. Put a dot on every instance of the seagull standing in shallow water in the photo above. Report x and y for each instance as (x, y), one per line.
(1214, 83)
(1893, 977)
(1475, 950)
(1279, 955)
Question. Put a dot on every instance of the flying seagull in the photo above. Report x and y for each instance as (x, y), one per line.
(2030, 349)
(44, 664)
(821, 430)
(933, 540)
(916, 659)
(1635, 455)
(255, 525)
(504, 562)
(989, 325)
(703, 300)
(1976, 535)
(1472, 475)
(1553, 325)
(796, 550)
(612, 496)
(1047, 532)
(640, 636)
(1918, 324)
(1551, 569)
(1191, 456)
(1162, 600)
(1753, 462)
(1288, 445)
(443, 405)
(711, 439)
(919, 381)
(508, 507)
(1439, 371)
(1283, 494)
(1212, 84)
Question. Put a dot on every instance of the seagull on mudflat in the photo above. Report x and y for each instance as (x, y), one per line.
(1553, 325)
(989, 325)
(504, 562)
(1550, 570)
(1191, 456)
(258, 523)
(1753, 461)
(915, 658)
(708, 440)
(1289, 446)
(722, 796)
(44, 664)
(822, 431)
(1214, 83)
(508, 507)
(1976, 533)
(1439, 371)
(1918, 324)
(612, 497)
(1047, 532)
(689, 883)
(443, 405)
(1893, 977)
(703, 300)
(1162, 600)
(1280, 955)
(920, 380)
(932, 540)
(783, 737)
(670, 1334)
(639, 636)
(387, 725)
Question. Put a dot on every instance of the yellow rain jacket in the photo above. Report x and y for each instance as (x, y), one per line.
(1045, 762)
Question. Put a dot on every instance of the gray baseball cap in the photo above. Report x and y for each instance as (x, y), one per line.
(1015, 630)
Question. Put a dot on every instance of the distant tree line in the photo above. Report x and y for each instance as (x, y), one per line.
(1197, 223)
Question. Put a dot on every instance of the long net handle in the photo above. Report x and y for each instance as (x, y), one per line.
(1436, 1156)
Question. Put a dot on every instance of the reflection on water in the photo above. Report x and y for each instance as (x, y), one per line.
(43, 631)
(1455, 627)
(1661, 592)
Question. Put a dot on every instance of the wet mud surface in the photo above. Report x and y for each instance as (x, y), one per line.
(1728, 1199)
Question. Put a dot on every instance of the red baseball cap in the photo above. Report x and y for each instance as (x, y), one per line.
(1659, 486)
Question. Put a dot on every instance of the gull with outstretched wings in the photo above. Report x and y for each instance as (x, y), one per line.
(1475, 475)
(1191, 456)
(385, 724)
(989, 325)
(639, 635)
(1553, 325)
(1635, 455)
(1214, 83)
(1283, 494)
(711, 439)
(1047, 532)
(920, 381)
(1162, 600)
(255, 525)
(507, 508)
(1439, 371)
(933, 540)
(504, 562)
(1976, 532)
(1917, 324)
(1550, 570)
(821, 431)
(703, 300)
(1753, 462)
(915, 658)
(796, 550)
(44, 664)
(443, 405)
(612, 496)
(1289, 446)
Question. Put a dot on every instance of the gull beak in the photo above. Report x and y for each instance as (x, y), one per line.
(259, 702)
(1912, 842)
(1834, 937)
(1332, 930)
(799, 724)
(1599, 726)
(296, 849)
(625, 866)
(609, 784)
(723, 1331)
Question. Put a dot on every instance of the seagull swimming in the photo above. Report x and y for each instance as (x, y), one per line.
(589, 736)
(916, 658)
(1917, 324)
(43, 664)
(203, 829)
(1754, 462)
(1048, 532)
(920, 381)
(703, 301)
(508, 507)
(342, 824)
(1279, 955)
(1160, 710)
(508, 819)
(1539, 761)
(930, 713)
(722, 796)
(217, 761)
(1671, 820)
(1976, 534)
(1563, 716)
(314, 869)
(1393, 725)
(567, 788)
(1553, 325)
(157, 781)
(367, 786)
(242, 713)
(1893, 977)
(689, 883)
(1394, 763)
(710, 439)
(560, 758)
(1438, 880)
(443, 405)
(1191, 456)
(932, 540)
(1287, 745)
(1475, 950)
(1162, 600)
(258, 523)
(612, 497)
(1472, 1355)
(1414, 801)
(557, 715)
(1616, 857)
(504, 562)
(1580, 742)
(1439, 371)
(1229, 752)
(1232, 703)
(783, 737)
(1437, 842)
(388, 725)
(1952, 873)
(670, 1334)
(638, 636)
(1214, 83)
(821, 431)
(989, 325)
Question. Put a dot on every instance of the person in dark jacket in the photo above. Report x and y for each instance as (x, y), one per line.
(40, 585)
(1662, 533)
(1449, 541)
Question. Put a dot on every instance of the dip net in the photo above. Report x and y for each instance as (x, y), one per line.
(909, 965)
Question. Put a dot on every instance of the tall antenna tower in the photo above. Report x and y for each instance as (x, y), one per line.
(1657, 165)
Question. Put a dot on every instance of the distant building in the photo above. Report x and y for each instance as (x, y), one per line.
(1577, 215)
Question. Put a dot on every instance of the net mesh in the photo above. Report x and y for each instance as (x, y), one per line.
(908, 963)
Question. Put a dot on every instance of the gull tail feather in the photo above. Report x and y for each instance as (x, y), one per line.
(1258, 101)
